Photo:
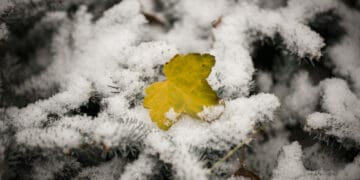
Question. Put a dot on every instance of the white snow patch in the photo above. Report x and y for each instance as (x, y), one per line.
(172, 115)
(211, 113)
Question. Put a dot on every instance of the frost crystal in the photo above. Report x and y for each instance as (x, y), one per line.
(290, 166)
(341, 116)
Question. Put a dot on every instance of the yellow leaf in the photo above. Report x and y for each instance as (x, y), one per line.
(185, 90)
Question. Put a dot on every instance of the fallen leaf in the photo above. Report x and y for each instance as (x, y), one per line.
(186, 89)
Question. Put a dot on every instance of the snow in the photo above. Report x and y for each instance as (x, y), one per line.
(146, 164)
(232, 45)
(3, 31)
(211, 113)
(115, 57)
(171, 115)
(108, 170)
(304, 97)
(345, 54)
(263, 155)
(49, 138)
(264, 81)
(236, 124)
(290, 166)
(341, 111)
(289, 161)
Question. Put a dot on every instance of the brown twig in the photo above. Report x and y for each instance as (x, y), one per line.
(242, 171)
(153, 19)
(216, 22)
